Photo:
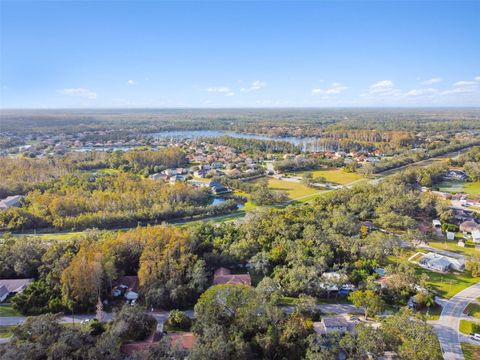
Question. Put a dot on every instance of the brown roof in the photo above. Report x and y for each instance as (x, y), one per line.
(132, 347)
(130, 281)
(185, 340)
(244, 279)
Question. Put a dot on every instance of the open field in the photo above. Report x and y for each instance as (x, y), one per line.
(471, 351)
(294, 190)
(470, 188)
(337, 176)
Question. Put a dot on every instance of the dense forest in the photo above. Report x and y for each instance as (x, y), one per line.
(286, 250)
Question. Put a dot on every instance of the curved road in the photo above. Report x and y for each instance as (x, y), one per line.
(447, 327)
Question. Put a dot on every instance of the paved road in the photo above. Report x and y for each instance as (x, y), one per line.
(448, 324)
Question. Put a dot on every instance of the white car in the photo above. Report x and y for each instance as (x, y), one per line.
(475, 337)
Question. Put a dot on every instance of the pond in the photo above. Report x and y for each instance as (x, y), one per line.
(217, 200)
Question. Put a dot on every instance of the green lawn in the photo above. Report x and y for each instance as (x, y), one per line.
(469, 248)
(471, 351)
(249, 205)
(7, 310)
(6, 331)
(54, 236)
(294, 190)
(445, 285)
(337, 176)
(473, 310)
(470, 188)
(468, 327)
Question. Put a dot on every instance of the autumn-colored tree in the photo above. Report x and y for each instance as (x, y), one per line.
(87, 277)
(170, 274)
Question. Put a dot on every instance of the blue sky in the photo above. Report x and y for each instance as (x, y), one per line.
(63, 54)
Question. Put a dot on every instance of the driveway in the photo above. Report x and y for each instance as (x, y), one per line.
(447, 327)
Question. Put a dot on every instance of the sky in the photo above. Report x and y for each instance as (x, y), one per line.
(160, 54)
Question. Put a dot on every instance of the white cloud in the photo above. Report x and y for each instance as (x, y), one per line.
(131, 82)
(231, 93)
(463, 87)
(219, 89)
(432, 81)
(383, 88)
(335, 89)
(256, 85)
(80, 93)
(477, 78)
(421, 92)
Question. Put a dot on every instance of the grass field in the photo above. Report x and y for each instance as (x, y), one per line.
(469, 248)
(445, 285)
(337, 176)
(6, 331)
(471, 351)
(473, 310)
(294, 190)
(7, 310)
(470, 188)
(468, 327)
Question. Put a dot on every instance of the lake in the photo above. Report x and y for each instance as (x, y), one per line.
(307, 144)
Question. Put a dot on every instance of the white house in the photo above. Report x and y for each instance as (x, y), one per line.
(12, 286)
(441, 263)
(476, 236)
(334, 324)
(11, 201)
(450, 235)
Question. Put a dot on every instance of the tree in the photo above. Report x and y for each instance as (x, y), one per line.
(474, 265)
(87, 276)
(372, 303)
(42, 337)
(178, 320)
(99, 313)
(410, 337)
(132, 323)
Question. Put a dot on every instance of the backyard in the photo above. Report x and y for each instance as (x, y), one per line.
(472, 189)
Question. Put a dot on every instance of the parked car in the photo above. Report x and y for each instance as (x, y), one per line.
(475, 336)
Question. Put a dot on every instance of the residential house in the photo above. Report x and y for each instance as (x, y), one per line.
(126, 286)
(176, 178)
(185, 340)
(224, 276)
(11, 201)
(476, 236)
(331, 324)
(441, 263)
(469, 226)
(158, 176)
(218, 188)
(12, 286)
